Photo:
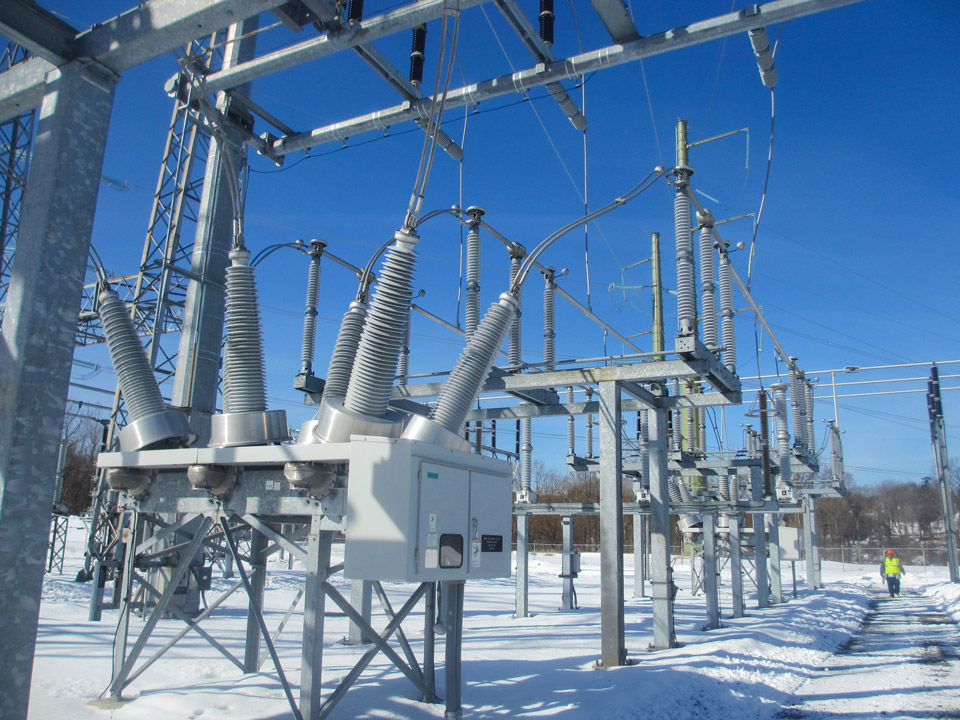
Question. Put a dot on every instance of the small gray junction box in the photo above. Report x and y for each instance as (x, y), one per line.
(419, 512)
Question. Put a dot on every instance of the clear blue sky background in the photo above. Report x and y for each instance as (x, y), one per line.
(856, 262)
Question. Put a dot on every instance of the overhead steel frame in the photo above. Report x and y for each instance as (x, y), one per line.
(159, 26)
(16, 137)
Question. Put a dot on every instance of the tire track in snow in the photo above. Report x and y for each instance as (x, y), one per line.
(903, 664)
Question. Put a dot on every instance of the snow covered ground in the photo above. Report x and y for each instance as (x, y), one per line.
(535, 667)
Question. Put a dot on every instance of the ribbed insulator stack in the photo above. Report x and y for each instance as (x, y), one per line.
(588, 443)
(417, 52)
(549, 322)
(708, 300)
(514, 351)
(685, 493)
(571, 426)
(345, 351)
(472, 304)
(764, 55)
(686, 276)
(371, 380)
(244, 375)
(677, 418)
(141, 396)
(460, 390)
(808, 391)
(644, 445)
(723, 486)
(673, 490)
(798, 405)
(403, 366)
(526, 454)
(310, 315)
(725, 281)
(546, 21)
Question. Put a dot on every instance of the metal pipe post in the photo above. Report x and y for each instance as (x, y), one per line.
(711, 590)
(258, 580)
(453, 650)
(361, 598)
(317, 571)
(523, 557)
(613, 652)
(773, 519)
(736, 565)
(36, 347)
(661, 573)
(568, 599)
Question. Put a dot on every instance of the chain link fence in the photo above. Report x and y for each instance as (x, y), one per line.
(917, 556)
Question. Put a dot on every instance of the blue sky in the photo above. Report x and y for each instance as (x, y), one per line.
(856, 263)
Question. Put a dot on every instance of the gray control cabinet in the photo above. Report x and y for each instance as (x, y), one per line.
(419, 512)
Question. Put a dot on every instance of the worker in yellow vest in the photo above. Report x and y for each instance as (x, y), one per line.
(891, 570)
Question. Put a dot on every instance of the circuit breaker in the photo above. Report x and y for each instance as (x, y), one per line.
(419, 512)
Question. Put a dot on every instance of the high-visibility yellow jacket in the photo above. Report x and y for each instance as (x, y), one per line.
(891, 565)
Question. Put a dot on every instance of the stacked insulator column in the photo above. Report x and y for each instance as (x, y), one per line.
(310, 311)
(403, 367)
(472, 304)
(571, 427)
(375, 367)
(686, 279)
(783, 434)
(152, 423)
(725, 281)
(245, 419)
(811, 440)
(798, 405)
(417, 54)
(708, 301)
(345, 351)
(549, 320)
(526, 455)
(588, 445)
(244, 375)
(460, 390)
(517, 253)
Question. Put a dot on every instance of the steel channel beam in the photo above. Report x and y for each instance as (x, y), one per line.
(616, 20)
(362, 33)
(518, 82)
(128, 40)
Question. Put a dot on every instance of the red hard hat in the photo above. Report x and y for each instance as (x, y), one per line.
(889, 552)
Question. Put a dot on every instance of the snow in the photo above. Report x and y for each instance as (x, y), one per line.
(541, 666)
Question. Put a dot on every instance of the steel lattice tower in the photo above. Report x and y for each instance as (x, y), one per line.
(16, 137)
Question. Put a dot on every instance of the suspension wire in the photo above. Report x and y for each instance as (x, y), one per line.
(463, 142)
(766, 179)
(433, 107)
(763, 197)
(635, 191)
(430, 143)
(97, 265)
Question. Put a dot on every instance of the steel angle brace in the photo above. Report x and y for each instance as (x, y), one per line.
(192, 624)
(232, 545)
(169, 531)
(120, 679)
(287, 543)
(413, 673)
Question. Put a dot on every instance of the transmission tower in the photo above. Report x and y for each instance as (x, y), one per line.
(16, 137)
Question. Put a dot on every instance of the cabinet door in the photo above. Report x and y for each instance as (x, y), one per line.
(443, 524)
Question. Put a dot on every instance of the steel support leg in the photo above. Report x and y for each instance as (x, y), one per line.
(36, 348)
(772, 521)
(760, 560)
(639, 555)
(317, 569)
(521, 607)
(808, 543)
(258, 579)
(710, 586)
(361, 598)
(429, 643)
(568, 600)
(661, 573)
(453, 650)
(613, 650)
(736, 565)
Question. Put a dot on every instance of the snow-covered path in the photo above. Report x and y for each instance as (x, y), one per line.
(903, 664)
